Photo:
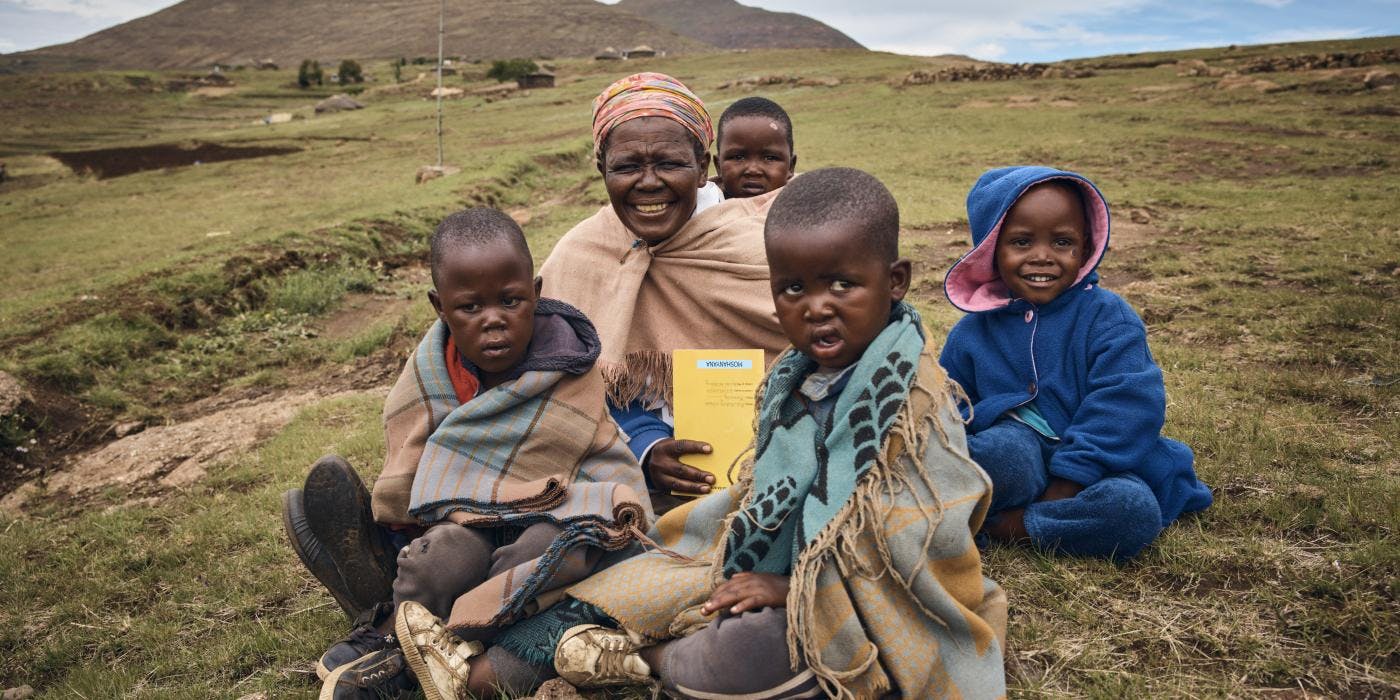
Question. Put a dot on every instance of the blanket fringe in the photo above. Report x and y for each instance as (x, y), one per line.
(868, 510)
(643, 375)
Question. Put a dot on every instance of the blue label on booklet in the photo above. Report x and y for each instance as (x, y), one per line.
(724, 364)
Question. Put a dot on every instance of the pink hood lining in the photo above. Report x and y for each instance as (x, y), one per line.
(973, 284)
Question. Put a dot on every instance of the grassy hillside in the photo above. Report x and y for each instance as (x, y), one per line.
(1255, 231)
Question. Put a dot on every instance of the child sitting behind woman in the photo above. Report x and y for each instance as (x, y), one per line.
(1067, 402)
(754, 151)
(842, 560)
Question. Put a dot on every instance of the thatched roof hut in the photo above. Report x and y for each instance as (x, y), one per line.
(538, 79)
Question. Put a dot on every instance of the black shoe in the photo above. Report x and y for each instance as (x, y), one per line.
(337, 514)
(313, 554)
(376, 675)
(362, 640)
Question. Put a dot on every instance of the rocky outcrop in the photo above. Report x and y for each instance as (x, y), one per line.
(996, 71)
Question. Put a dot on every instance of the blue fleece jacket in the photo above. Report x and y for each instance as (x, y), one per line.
(1081, 358)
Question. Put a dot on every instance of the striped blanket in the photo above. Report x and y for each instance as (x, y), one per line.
(539, 448)
(887, 595)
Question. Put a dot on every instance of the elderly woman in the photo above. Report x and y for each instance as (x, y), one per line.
(666, 265)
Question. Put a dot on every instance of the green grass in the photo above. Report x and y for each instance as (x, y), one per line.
(1267, 274)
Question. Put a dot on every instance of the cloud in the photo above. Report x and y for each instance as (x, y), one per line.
(118, 10)
(987, 29)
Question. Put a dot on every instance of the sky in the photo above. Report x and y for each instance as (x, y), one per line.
(996, 30)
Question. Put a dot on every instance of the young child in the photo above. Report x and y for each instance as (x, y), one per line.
(842, 561)
(754, 153)
(499, 441)
(1067, 403)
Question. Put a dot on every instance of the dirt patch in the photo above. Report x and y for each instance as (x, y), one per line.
(107, 163)
(1255, 128)
(358, 311)
(168, 456)
(214, 91)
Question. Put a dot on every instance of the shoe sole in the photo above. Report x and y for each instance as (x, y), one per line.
(329, 680)
(318, 563)
(345, 527)
(415, 660)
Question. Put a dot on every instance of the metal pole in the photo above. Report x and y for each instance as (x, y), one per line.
(442, 13)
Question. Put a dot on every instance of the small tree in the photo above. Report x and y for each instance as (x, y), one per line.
(511, 69)
(398, 71)
(309, 73)
(349, 72)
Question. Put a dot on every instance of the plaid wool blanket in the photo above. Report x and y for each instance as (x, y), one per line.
(887, 593)
(539, 448)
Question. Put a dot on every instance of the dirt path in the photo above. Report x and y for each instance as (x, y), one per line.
(173, 456)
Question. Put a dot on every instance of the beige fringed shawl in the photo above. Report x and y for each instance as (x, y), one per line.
(704, 287)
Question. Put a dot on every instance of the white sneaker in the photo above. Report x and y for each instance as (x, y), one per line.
(439, 658)
(593, 656)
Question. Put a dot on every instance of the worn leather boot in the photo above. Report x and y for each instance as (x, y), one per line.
(334, 534)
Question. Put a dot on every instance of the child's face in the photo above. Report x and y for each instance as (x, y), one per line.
(832, 294)
(754, 157)
(486, 297)
(1042, 244)
(652, 176)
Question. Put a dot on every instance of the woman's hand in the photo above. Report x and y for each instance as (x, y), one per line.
(749, 591)
(668, 474)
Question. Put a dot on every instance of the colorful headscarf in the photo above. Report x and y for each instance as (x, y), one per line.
(649, 95)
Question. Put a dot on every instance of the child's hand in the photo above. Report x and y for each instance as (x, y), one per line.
(667, 472)
(749, 591)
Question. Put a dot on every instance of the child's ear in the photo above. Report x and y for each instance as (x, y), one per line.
(539, 285)
(901, 271)
(792, 168)
(436, 302)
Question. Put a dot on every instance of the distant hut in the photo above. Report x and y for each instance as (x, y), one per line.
(642, 51)
(608, 54)
(266, 64)
(337, 103)
(541, 78)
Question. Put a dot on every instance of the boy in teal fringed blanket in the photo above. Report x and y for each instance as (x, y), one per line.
(500, 444)
(841, 563)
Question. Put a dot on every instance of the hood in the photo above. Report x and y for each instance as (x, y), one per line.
(973, 284)
(564, 341)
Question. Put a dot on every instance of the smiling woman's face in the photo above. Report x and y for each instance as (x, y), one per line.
(652, 175)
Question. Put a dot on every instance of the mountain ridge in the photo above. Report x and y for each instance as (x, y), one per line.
(730, 25)
(202, 32)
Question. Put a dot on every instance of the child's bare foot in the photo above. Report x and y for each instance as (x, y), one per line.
(1008, 526)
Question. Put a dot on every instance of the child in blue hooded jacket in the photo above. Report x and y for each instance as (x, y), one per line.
(1067, 402)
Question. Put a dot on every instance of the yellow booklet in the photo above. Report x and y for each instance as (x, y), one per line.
(714, 393)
